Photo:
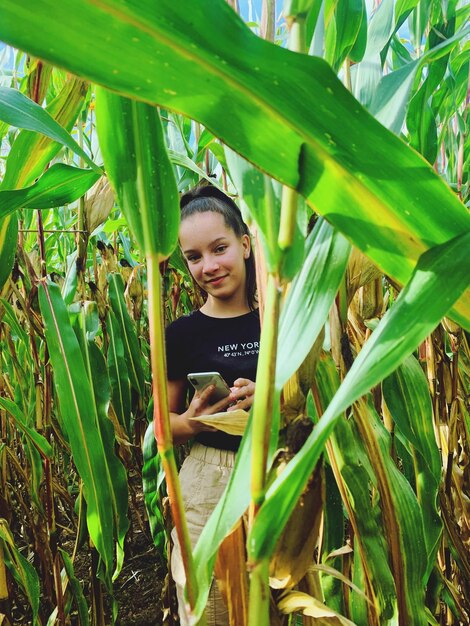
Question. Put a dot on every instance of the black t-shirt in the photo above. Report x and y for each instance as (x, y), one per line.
(199, 343)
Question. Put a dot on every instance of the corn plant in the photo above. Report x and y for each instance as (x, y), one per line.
(353, 460)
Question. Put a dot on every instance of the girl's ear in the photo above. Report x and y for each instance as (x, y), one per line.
(246, 243)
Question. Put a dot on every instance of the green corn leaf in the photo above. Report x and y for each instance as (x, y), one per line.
(118, 374)
(8, 239)
(279, 109)
(349, 15)
(358, 49)
(78, 412)
(420, 120)
(261, 198)
(138, 166)
(384, 23)
(21, 422)
(367, 74)
(294, 8)
(261, 203)
(358, 606)
(115, 477)
(181, 160)
(152, 478)
(18, 110)
(333, 538)
(392, 94)
(351, 461)
(76, 589)
(406, 394)
(59, 185)
(310, 298)
(37, 448)
(127, 332)
(21, 570)
(10, 318)
(35, 461)
(27, 159)
(440, 277)
(32, 151)
(69, 287)
(402, 518)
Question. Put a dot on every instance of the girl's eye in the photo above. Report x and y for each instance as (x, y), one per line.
(192, 258)
(221, 248)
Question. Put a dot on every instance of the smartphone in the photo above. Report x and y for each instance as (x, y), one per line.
(201, 380)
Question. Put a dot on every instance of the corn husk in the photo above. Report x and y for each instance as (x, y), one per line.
(98, 203)
(134, 294)
(293, 398)
(360, 271)
(309, 367)
(231, 422)
(451, 327)
(108, 257)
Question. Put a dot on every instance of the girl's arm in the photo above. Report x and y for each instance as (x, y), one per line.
(183, 428)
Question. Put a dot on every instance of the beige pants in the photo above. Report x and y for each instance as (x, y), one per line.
(203, 476)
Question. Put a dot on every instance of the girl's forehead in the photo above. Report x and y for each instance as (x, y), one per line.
(203, 227)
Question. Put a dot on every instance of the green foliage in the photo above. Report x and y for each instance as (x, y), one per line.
(398, 334)
(83, 401)
(137, 163)
(127, 333)
(152, 482)
(61, 184)
(17, 110)
(74, 374)
(307, 305)
(288, 108)
(22, 571)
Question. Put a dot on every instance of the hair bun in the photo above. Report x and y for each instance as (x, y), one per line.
(207, 190)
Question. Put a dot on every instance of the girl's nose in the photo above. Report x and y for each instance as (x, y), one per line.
(210, 265)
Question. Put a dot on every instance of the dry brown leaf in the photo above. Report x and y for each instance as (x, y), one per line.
(295, 549)
(232, 578)
(340, 551)
(298, 601)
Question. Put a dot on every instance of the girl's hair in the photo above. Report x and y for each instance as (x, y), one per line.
(206, 197)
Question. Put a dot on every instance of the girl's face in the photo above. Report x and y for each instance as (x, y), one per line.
(215, 255)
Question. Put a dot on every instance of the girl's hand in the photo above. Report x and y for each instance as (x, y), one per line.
(201, 405)
(243, 391)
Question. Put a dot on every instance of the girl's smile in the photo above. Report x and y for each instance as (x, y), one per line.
(216, 281)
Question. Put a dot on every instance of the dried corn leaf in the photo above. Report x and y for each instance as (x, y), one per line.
(232, 578)
(296, 601)
(295, 550)
(231, 422)
(339, 552)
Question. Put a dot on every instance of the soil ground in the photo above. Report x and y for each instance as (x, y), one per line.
(140, 590)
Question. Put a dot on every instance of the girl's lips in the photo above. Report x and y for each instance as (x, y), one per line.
(216, 281)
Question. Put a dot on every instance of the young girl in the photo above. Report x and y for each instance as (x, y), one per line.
(223, 336)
